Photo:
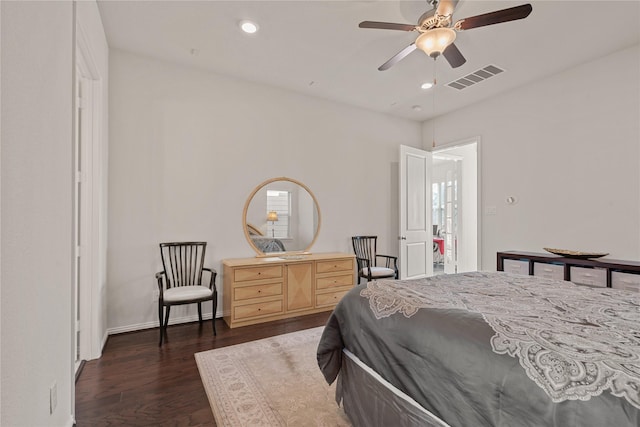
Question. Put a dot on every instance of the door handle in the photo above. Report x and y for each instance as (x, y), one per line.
(402, 238)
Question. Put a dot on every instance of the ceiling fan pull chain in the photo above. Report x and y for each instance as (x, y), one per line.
(433, 101)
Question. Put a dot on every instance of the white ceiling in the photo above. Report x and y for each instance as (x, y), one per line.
(316, 47)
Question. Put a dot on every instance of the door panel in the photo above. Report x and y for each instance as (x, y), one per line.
(416, 258)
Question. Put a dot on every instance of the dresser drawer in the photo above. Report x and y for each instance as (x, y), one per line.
(549, 271)
(331, 298)
(515, 266)
(331, 266)
(627, 281)
(241, 293)
(257, 273)
(588, 276)
(334, 281)
(249, 311)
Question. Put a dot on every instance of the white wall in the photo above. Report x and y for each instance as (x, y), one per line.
(36, 175)
(187, 147)
(568, 148)
(0, 216)
(36, 45)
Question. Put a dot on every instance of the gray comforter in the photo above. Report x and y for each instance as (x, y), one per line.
(494, 349)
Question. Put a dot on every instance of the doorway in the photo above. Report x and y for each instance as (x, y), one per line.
(454, 208)
(439, 210)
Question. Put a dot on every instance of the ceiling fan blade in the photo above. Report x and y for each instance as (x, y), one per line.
(446, 7)
(387, 26)
(453, 56)
(397, 57)
(504, 15)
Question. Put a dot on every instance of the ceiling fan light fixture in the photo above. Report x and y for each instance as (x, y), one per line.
(434, 42)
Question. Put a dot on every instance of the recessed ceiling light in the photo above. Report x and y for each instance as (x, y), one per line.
(427, 85)
(248, 27)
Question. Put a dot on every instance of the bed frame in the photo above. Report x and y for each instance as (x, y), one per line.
(370, 400)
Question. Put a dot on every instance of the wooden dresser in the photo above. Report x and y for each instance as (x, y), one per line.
(258, 290)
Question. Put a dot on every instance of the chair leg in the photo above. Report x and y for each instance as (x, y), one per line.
(200, 313)
(166, 318)
(213, 313)
(163, 325)
(160, 323)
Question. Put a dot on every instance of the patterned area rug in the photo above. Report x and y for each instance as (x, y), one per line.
(271, 382)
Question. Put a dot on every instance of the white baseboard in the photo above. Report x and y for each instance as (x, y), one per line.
(155, 324)
(104, 342)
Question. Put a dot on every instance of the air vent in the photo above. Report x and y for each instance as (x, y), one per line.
(475, 77)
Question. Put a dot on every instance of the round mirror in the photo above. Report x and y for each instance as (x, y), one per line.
(281, 215)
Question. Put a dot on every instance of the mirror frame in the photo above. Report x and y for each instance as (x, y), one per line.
(245, 227)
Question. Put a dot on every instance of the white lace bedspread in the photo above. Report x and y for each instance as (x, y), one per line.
(574, 341)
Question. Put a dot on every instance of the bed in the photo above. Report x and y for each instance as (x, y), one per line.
(268, 244)
(485, 349)
(264, 243)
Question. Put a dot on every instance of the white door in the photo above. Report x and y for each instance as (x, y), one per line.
(416, 240)
(451, 214)
(81, 217)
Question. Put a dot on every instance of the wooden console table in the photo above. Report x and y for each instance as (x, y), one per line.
(258, 290)
(600, 272)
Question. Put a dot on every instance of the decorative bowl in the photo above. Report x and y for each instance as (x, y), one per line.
(575, 254)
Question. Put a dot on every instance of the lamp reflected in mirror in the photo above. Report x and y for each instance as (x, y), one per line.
(273, 217)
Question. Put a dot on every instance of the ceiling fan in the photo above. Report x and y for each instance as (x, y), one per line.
(437, 33)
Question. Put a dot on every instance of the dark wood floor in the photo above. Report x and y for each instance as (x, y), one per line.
(137, 383)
